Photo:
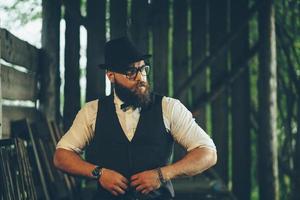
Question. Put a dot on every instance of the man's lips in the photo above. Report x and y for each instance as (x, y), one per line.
(141, 84)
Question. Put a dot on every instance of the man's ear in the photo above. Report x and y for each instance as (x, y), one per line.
(111, 76)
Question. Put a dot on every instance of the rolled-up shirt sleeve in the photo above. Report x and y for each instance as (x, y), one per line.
(180, 123)
(82, 130)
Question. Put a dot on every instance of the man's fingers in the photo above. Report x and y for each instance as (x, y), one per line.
(140, 188)
(124, 180)
(146, 191)
(119, 190)
(134, 177)
(114, 192)
(123, 185)
(135, 183)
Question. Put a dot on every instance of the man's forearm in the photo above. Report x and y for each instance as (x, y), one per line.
(71, 162)
(194, 162)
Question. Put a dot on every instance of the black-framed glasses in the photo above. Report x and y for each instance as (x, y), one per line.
(131, 74)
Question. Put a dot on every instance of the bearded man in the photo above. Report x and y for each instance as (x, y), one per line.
(129, 136)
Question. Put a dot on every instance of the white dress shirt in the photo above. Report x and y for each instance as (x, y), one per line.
(178, 121)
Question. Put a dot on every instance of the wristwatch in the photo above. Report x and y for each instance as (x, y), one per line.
(97, 172)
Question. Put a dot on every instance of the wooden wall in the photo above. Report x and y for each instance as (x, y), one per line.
(16, 84)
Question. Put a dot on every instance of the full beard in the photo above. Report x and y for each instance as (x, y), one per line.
(137, 96)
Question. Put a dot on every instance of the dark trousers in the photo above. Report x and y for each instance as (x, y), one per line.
(129, 196)
(132, 194)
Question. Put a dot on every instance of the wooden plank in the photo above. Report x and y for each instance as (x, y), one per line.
(139, 28)
(160, 28)
(180, 46)
(118, 18)
(180, 57)
(0, 97)
(72, 72)
(12, 113)
(18, 85)
(199, 45)
(18, 52)
(95, 78)
(34, 140)
(218, 13)
(241, 111)
(267, 105)
(50, 76)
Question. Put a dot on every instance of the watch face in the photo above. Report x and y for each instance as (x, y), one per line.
(97, 172)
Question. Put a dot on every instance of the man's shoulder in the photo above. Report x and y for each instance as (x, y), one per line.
(169, 104)
(91, 105)
(170, 100)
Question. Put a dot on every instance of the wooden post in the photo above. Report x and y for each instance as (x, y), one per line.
(72, 70)
(180, 56)
(118, 18)
(297, 153)
(218, 29)
(241, 154)
(180, 46)
(199, 44)
(50, 84)
(267, 115)
(95, 78)
(1, 38)
(160, 26)
(139, 29)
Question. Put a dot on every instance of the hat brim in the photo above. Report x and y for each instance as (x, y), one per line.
(107, 66)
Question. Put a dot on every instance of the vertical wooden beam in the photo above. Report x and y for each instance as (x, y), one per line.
(1, 38)
(218, 28)
(50, 84)
(160, 26)
(118, 18)
(296, 184)
(267, 106)
(95, 78)
(1, 126)
(199, 44)
(139, 29)
(180, 46)
(241, 154)
(72, 71)
(180, 56)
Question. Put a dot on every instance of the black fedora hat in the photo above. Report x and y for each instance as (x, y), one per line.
(119, 53)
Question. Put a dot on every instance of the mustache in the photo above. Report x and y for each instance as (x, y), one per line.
(141, 83)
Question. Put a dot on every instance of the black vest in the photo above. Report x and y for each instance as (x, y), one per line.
(150, 148)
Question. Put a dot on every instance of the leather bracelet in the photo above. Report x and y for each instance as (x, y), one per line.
(160, 176)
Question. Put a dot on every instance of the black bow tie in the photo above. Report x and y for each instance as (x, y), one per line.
(125, 106)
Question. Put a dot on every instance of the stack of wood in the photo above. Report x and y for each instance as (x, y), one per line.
(33, 176)
(15, 171)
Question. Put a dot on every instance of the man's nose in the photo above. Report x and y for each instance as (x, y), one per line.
(140, 77)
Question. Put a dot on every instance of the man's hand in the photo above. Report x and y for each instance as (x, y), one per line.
(113, 182)
(146, 181)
